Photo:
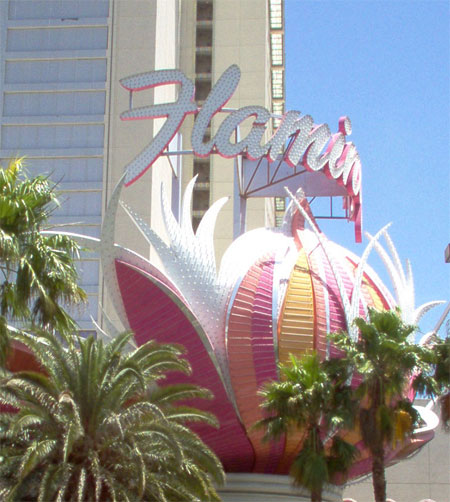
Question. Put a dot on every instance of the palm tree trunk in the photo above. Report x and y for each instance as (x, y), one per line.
(316, 495)
(378, 474)
(376, 445)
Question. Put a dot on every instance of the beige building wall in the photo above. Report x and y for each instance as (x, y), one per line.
(145, 35)
(240, 37)
(157, 34)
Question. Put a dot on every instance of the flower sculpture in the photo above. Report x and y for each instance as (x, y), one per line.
(278, 291)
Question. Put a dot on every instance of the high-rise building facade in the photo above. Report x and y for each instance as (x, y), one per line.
(54, 73)
(61, 100)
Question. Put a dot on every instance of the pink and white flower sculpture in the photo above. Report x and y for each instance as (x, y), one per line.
(278, 291)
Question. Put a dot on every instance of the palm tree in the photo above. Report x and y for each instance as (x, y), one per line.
(37, 270)
(312, 397)
(442, 376)
(96, 425)
(386, 362)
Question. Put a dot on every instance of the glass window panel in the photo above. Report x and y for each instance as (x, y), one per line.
(43, 137)
(72, 170)
(88, 272)
(57, 9)
(54, 103)
(56, 39)
(84, 312)
(47, 71)
(80, 204)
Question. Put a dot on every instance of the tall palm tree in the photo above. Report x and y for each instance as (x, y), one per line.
(386, 361)
(441, 376)
(96, 425)
(37, 272)
(312, 397)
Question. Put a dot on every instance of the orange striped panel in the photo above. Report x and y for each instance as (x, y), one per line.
(239, 347)
(315, 259)
(375, 300)
(242, 334)
(296, 326)
(296, 335)
(320, 336)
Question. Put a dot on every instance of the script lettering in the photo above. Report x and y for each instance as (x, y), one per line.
(252, 142)
(312, 146)
(175, 113)
(219, 95)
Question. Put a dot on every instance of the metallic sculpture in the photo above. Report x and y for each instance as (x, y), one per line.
(278, 291)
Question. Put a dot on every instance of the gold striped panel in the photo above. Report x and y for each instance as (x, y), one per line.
(296, 326)
(296, 335)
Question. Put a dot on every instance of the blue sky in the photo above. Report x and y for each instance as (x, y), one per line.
(385, 64)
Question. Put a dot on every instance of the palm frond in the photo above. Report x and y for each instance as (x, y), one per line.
(101, 416)
(35, 454)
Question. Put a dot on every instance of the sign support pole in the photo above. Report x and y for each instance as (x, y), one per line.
(176, 164)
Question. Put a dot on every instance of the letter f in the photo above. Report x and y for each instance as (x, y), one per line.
(175, 113)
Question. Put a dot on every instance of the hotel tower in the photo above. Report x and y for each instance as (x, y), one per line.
(61, 101)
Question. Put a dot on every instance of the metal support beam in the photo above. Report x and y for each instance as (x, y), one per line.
(239, 201)
(176, 163)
